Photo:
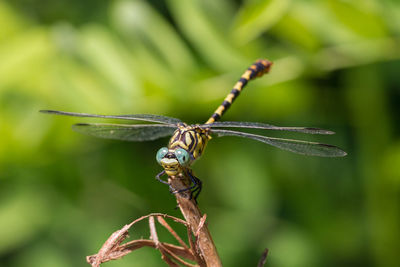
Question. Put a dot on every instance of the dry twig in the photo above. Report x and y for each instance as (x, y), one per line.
(112, 249)
(201, 248)
(263, 258)
(196, 221)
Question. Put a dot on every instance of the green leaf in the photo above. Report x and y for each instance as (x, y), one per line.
(213, 45)
(359, 18)
(257, 17)
(292, 29)
(140, 19)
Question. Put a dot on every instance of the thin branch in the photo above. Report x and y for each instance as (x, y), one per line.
(175, 257)
(113, 249)
(201, 224)
(153, 231)
(191, 212)
(263, 258)
(202, 249)
(165, 252)
(169, 228)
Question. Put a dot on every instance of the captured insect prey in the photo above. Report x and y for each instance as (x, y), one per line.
(189, 141)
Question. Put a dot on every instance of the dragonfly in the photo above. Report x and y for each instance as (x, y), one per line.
(188, 142)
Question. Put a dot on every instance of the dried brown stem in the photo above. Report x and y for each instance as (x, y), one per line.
(201, 247)
(263, 258)
(169, 228)
(112, 249)
(191, 213)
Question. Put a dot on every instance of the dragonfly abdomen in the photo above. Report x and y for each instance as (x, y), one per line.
(258, 69)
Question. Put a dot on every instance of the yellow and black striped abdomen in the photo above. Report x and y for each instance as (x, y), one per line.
(191, 138)
(258, 69)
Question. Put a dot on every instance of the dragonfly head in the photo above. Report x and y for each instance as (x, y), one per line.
(173, 160)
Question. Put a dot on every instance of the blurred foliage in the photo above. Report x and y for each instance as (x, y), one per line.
(336, 66)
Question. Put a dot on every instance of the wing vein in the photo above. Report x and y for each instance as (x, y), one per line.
(258, 125)
(295, 146)
(127, 132)
(137, 117)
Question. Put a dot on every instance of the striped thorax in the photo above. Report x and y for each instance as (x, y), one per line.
(185, 146)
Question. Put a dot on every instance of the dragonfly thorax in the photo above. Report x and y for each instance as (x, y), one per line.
(192, 138)
(185, 146)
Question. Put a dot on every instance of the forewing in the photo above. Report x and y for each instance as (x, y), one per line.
(257, 125)
(136, 117)
(127, 132)
(295, 146)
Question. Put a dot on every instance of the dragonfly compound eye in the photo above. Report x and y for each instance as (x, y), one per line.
(183, 156)
(161, 154)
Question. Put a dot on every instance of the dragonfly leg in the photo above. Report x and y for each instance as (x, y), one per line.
(158, 177)
(197, 186)
(197, 190)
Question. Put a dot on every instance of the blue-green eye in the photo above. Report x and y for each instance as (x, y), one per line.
(161, 153)
(182, 156)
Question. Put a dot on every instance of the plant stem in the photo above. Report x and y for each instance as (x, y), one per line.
(193, 216)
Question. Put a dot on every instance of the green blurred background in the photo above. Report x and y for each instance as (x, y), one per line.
(336, 67)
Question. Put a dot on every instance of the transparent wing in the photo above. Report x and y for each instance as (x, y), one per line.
(296, 146)
(136, 117)
(127, 132)
(257, 125)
